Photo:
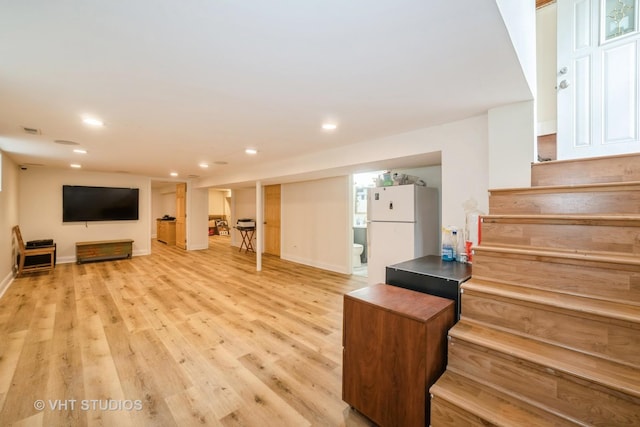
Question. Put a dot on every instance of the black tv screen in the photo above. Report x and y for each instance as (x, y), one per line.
(80, 203)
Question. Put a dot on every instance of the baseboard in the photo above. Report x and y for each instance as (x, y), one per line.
(324, 266)
(198, 248)
(6, 282)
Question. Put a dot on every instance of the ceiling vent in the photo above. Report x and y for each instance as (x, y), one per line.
(31, 131)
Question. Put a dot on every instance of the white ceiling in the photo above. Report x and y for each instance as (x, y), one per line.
(183, 82)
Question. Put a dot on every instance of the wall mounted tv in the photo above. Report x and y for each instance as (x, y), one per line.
(80, 203)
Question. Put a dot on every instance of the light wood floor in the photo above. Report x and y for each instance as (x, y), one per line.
(175, 338)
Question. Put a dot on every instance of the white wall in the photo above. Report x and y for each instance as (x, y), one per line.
(218, 204)
(40, 213)
(316, 223)
(465, 170)
(547, 48)
(198, 223)
(8, 218)
(512, 145)
(244, 206)
(519, 17)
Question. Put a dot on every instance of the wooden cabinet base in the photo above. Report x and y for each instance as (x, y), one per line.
(103, 250)
(395, 347)
(166, 231)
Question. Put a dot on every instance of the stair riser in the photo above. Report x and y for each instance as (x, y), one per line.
(560, 275)
(592, 334)
(575, 397)
(587, 171)
(581, 203)
(599, 238)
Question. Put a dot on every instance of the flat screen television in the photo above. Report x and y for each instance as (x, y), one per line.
(81, 203)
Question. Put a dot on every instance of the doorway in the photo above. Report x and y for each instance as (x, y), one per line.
(361, 183)
(272, 200)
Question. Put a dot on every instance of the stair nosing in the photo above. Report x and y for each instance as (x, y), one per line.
(572, 369)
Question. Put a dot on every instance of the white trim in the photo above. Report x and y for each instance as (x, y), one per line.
(6, 282)
(324, 266)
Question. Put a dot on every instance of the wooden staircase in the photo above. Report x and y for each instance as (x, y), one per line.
(550, 327)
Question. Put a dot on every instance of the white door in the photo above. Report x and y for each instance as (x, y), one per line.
(598, 70)
(388, 243)
(395, 203)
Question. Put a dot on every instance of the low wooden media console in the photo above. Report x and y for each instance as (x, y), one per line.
(103, 250)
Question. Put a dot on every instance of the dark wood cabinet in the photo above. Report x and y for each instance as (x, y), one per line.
(395, 347)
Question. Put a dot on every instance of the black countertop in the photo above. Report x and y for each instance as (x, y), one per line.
(433, 265)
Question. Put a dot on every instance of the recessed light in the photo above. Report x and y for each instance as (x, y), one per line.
(174, 174)
(251, 151)
(80, 151)
(75, 165)
(329, 126)
(92, 121)
(203, 165)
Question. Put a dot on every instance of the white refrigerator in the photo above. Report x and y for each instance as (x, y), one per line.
(402, 224)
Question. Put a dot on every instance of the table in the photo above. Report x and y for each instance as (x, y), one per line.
(247, 238)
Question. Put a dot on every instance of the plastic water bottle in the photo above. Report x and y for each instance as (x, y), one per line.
(447, 245)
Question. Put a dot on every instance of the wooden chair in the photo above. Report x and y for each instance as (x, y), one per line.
(28, 252)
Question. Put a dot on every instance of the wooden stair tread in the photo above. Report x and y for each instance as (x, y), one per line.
(608, 373)
(491, 405)
(580, 304)
(594, 256)
(605, 186)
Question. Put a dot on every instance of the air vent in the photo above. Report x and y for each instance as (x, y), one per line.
(193, 176)
(65, 142)
(31, 131)
(220, 163)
